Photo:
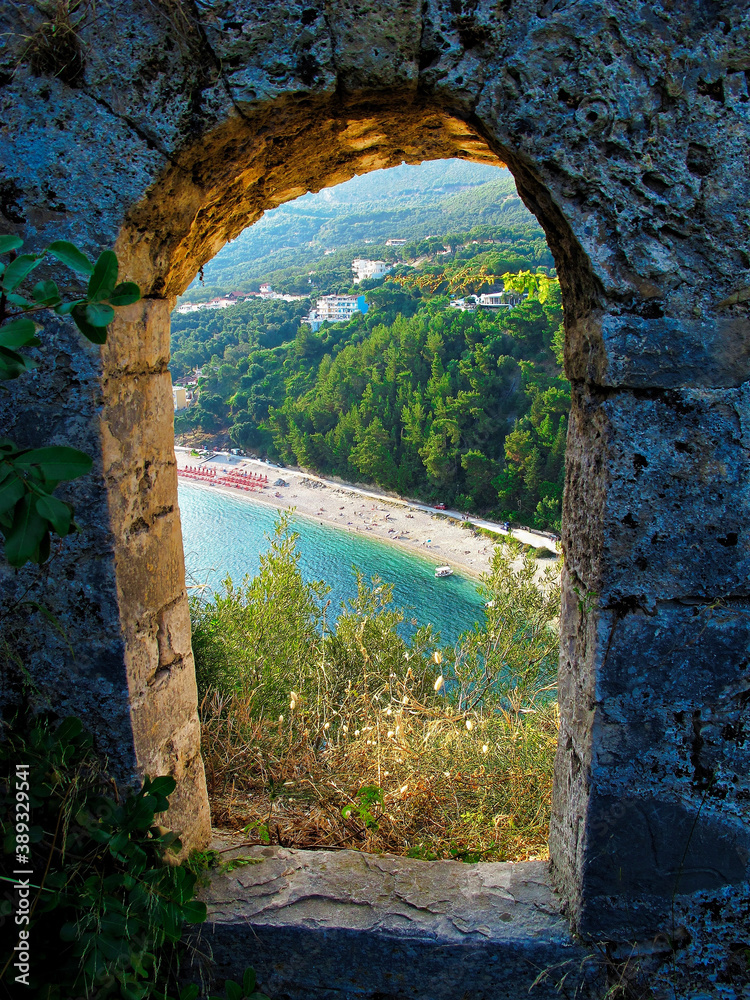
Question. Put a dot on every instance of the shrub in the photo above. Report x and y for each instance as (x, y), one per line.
(354, 736)
(106, 908)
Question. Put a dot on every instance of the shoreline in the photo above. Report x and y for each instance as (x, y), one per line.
(437, 539)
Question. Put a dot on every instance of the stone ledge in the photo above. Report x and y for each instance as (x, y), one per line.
(324, 924)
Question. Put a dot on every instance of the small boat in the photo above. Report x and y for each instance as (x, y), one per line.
(443, 571)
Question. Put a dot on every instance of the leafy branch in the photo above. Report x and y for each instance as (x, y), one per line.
(29, 512)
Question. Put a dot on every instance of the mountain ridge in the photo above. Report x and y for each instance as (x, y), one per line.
(406, 202)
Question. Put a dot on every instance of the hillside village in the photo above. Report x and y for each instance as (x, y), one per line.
(439, 379)
(335, 308)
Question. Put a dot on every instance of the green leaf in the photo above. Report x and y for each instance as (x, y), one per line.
(8, 243)
(171, 841)
(99, 314)
(104, 278)
(66, 308)
(69, 254)
(56, 462)
(23, 540)
(190, 992)
(233, 990)
(163, 785)
(17, 333)
(17, 270)
(57, 513)
(172, 921)
(11, 491)
(46, 293)
(113, 924)
(12, 365)
(141, 816)
(96, 334)
(119, 842)
(194, 912)
(248, 981)
(69, 729)
(125, 294)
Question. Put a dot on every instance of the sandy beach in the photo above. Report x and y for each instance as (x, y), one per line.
(398, 522)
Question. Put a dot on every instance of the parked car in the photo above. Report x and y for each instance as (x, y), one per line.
(439, 506)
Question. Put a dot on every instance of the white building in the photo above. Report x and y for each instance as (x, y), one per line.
(335, 309)
(395, 243)
(221, 303)
(501, 300)
(489, 300)
(365, 269)
(179, 397)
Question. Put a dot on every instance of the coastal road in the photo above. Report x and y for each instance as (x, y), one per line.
(527, 537)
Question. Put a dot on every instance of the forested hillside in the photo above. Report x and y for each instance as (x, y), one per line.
(466, 407)
(453, 199)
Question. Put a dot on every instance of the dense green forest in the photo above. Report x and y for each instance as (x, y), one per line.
(466, 407)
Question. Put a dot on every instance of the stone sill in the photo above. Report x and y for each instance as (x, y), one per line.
(319, 925)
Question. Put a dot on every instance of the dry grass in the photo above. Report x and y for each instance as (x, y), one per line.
(358, 737)
(54, 48)
(445, 785)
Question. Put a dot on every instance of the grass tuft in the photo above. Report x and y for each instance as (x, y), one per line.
(55, 48)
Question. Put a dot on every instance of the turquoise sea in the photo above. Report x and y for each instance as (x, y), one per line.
(225, 535)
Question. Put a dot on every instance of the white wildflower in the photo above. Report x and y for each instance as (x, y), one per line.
(439, 682)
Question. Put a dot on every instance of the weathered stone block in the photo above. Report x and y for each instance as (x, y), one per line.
(652, 786)
(271, 49)
(656, 503)
(138, 340)
(386, 55)
(324, 924)
(632, 351)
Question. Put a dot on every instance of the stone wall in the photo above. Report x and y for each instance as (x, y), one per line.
(626, 128)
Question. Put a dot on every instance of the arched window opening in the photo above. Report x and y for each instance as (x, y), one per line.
(370, 425)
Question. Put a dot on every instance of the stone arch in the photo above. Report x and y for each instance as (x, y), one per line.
(630, 151)
(218, 186)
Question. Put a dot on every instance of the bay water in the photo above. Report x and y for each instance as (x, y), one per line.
(226, 535)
